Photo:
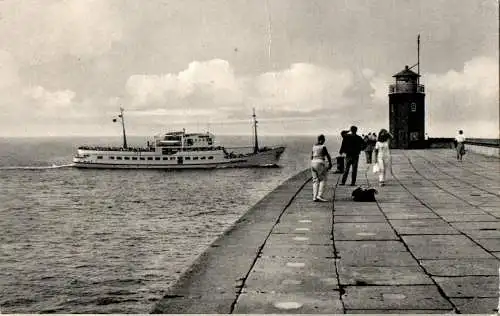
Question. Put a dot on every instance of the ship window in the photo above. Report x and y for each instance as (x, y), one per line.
(157, 158)
(210, 157)
(165, 158)
(203, 158)
(195, 158)
(150, 158)
(134, 158)
(141, 158)
(127, 158)
(172, 158)
(188, 158)
(111, 157)
(119, 158)
(99, 157)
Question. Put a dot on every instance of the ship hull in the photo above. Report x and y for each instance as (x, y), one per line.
(88, 159)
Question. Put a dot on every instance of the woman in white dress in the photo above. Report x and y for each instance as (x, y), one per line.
(319, 168)
(382, 154)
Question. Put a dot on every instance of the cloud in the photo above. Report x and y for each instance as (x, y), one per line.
(210, 85)
(302, 88)
(40, 32)
(457, 99)
(53, 101)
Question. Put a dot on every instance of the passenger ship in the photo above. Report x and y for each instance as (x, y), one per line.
(178, 150)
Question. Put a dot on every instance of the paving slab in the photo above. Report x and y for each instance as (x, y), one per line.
(423, 227)
(399, 311)
(277, 266)
(293, 303)
(304, 228)
(293, 251)
(360, 219)
(374, 253)
(408, 215)
(444, 247)
(322, 220)
(476, 305)
(414, 205)
(461, 267)
(394, 297)
(490, 244)
(363, 231)
(494, 225)
(373, 275)
(468, 217)
(469, 286)
(262, 282)
(407, 210)
(299, 239)
(486, 233)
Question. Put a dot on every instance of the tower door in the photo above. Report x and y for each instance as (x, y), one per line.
(402, 138)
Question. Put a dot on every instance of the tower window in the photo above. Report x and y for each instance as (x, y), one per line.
(414, 107)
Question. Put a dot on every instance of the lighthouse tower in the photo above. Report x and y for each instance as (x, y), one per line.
(407, 111)
(407, 108)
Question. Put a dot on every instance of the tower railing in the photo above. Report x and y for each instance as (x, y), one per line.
(406, 88)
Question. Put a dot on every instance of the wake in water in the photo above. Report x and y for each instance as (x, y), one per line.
(54, 166)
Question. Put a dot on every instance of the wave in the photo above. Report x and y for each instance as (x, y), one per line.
(53, 166)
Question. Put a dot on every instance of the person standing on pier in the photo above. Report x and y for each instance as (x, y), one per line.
(382, 154)
(352, 145)
(460, 144)
(319, 169)
(370, 141)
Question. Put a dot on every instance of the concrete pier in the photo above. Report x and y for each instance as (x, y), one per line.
(429, 244)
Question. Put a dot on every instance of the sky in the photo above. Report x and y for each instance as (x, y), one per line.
(306, 66)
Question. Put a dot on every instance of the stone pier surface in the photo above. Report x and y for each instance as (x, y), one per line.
(429, 244)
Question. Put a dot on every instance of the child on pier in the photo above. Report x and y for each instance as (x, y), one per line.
(319, 169)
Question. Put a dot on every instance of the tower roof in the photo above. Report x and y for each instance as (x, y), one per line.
(406, 73)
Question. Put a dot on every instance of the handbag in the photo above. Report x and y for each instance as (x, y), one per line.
(376, 168)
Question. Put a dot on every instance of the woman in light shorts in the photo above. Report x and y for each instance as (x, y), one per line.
(321, 162)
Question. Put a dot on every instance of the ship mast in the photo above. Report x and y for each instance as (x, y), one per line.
(123, 128)
(256, 140)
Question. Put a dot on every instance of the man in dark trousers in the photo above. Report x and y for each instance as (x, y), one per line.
(352, 145)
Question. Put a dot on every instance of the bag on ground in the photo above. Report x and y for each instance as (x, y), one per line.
(364, 195)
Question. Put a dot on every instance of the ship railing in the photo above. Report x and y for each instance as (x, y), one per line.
(111, 148)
